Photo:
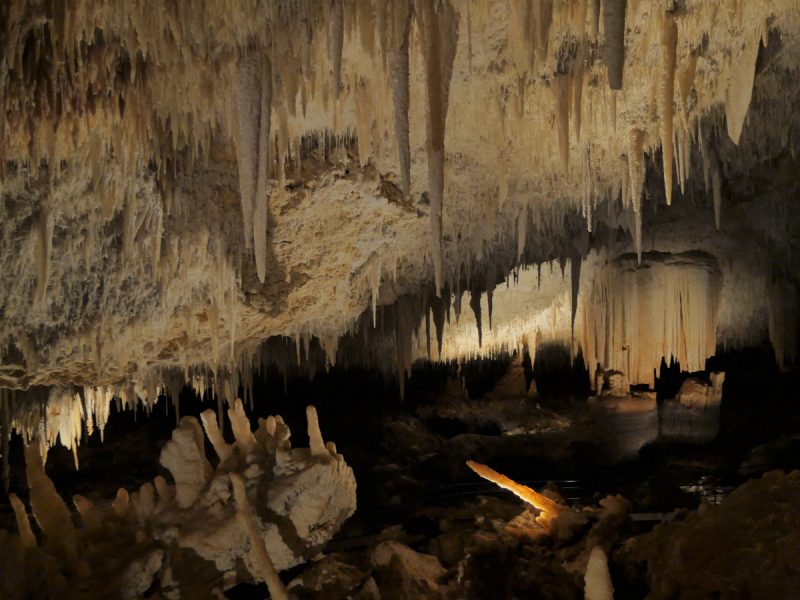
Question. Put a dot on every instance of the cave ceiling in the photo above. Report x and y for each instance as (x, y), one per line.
(192, 191)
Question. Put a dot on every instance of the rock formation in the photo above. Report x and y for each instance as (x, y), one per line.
(747, 542)
(194, 193)
(187, 539)
(181, 185)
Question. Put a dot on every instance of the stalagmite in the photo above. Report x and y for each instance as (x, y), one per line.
(240, 424)
(543, 503)
(184, 456)
(146, 541)
(244, 514)
(317, 444)
(222, 449)
(614, 23)
(47, 506)
(666, 94)
(439, 27)
(23, 524)
(598, 584)
(399, 31)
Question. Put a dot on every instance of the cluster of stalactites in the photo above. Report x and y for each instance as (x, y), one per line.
(611, 155)
(69, 414)
(633, 316)
(157, 90)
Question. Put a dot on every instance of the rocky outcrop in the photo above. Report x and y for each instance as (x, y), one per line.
(405, 573)
(748, 546)
(188, 537)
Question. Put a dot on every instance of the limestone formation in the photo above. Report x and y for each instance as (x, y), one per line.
(598, 579)
(293, 501)
(192, 193)
(181, 188)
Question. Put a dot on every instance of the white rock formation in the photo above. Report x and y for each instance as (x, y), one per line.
(598, 579)
(293, 502)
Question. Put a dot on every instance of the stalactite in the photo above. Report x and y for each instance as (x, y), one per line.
(543, 12)
(131, 113)
(666, 94)
(636, 164)
(577, 93)
(716, 185)
(439, 28)
(400, 29)
(475, 305)
(783, 320)
(635, 315)
(5, 431)
(249, 95)
(740, 88)
(614, 23)
(337, 43)
(522, 232)
(440, 307)
(44, 251)
(261, 201)
(560, 96)
(521, 25)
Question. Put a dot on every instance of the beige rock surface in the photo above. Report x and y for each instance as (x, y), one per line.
(130, 169)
